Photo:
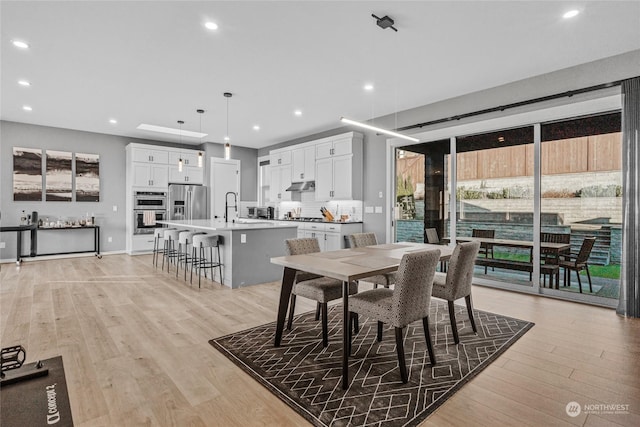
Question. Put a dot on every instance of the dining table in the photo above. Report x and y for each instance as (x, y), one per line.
(346, 265)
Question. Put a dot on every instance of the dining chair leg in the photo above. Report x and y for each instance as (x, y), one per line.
(356, 323)
(427, 338)
(579, 282)
(379, 336)
(469, 302)
(452, 319)
(351, 314)
(325, 325)
(292, 307)
(400, 350)
(317, 311)
(589, 277)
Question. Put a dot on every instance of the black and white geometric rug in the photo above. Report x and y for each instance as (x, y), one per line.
(308, 377)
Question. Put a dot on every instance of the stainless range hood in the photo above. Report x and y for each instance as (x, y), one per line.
(302, 186)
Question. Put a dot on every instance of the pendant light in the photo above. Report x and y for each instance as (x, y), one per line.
(180, 122)
(200, 111)
(227, 146)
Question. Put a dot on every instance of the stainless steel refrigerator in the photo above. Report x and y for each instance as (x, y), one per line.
(187, 201)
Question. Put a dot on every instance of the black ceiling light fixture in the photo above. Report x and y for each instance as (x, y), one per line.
(385, 22)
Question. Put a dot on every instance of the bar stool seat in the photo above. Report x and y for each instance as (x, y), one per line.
(158, 235)
(199, 259)
(184, 240)
(171, 236)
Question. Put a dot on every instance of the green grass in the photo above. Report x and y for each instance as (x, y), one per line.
(611, 271)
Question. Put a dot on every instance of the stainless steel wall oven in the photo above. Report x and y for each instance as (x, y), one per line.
(154, 200)
(144, 220)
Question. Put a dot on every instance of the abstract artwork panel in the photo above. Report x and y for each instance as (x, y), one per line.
(87, 177)
(59, 176)
(27, 174)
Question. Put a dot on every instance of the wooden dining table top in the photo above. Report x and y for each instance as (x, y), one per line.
(357, 263)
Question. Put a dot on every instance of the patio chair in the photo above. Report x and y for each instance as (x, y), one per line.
(487, 248)
(431, 236)
(578, 262)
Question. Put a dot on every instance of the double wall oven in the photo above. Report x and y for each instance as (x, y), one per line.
(148, 207)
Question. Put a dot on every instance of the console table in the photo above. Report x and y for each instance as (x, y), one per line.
(96, 239)
(18, 229)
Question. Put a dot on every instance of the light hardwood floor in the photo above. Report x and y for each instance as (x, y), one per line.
(134, 345)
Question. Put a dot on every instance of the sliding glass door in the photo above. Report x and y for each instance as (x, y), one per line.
(545, 200)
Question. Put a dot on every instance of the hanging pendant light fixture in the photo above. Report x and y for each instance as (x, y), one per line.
(180, 122)
(227, 145)
(200, 111)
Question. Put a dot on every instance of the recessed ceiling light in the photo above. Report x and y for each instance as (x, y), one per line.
(21, 44)
(297, 113)
(27, 108)
(571, 14)
(256, 127)
(113, 121)
(368, 87)
(211, 25)
(24, 83)
(172, 131)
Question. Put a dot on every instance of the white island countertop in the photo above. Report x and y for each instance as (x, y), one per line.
(220, 225)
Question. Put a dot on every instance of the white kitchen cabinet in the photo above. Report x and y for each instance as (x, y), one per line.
(150, 155)
(335, 147)
(189, 175)
(149, 175)
(189, 158)
(280, 181)
(303, 164)
(339, 177)
(280, 157)
(331, 236)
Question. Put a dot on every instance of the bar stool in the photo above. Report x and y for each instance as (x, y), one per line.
(158, 234)
(184, 240)
(199, 259)
(170, 252)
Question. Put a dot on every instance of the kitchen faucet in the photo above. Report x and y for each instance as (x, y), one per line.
(226, 205)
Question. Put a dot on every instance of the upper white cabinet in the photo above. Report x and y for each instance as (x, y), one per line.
(339, 169)
(303, 164)
(334, 163)
(280, 172)
(150, 176)
(280, 157)
(336, 147)
(191, 173)
(149, 155)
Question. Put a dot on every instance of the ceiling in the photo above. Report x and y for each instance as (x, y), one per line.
(156, 63)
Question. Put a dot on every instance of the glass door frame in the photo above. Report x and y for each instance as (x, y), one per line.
(607, 101)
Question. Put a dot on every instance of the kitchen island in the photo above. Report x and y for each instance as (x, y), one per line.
(246, 249)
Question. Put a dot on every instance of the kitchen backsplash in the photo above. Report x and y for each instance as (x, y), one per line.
(309, 207)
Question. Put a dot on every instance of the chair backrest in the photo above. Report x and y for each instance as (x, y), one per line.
(585, 250)
(414, 283)
(305, 245)
(555, 237)
(483, 233)
(358, 240)
(460, 270)
(431, 236)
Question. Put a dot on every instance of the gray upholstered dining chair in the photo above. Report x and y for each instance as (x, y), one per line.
(407, 302)
(318, 288)
(359, 240)
(456, 283)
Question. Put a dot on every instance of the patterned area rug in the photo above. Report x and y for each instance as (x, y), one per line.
(307, 376)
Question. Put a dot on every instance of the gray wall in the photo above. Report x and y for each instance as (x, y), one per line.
(111, 149)
(590, 74)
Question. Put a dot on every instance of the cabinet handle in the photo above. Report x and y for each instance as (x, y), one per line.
(301, 176)
(279, 161)
(152, 158)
